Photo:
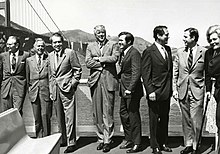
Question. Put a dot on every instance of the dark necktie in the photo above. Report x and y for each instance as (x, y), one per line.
(165, 53)
(190, 59)
(13, 62)
(39, 62)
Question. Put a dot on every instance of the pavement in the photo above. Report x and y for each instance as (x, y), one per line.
(87, 145)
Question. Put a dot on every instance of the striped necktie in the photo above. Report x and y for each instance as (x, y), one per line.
(190, 58)
(13, 62)
(39, 62)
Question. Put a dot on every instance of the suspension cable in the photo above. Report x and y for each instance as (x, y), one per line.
(39, 16)
(52, 19)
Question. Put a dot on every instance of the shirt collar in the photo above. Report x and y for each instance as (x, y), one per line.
(126, 50)
(193, 48)
(16, 53)
(159, 46)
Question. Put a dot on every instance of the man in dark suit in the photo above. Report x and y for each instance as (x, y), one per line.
(101, 57)
(157, 76)
(64, 78)
(131, 91)
(188, 87)
(37, 69)
(13, 85)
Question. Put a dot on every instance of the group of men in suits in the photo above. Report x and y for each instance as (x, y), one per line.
(162, 77)
(55, 76)
(102, 57)
(45, 77)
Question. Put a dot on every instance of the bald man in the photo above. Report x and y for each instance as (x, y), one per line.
(101, 57)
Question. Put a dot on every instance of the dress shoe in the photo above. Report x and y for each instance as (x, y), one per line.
(106, 148)
(134, 149)
(69, 149)
(187, 150)
(100, 146)
(165, 148)
(126, 145)
(156, 151)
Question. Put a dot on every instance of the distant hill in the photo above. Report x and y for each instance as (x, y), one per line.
(81, 36)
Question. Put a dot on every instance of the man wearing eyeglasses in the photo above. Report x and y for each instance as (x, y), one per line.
(13, 85)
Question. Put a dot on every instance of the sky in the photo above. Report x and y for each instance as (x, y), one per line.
(136, 16)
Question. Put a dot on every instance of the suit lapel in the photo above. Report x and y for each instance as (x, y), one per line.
(126, 57)
(185, 57)
(197, 56)
(52, 61)
(20, 56)
(34, 62)
(105, 47)
(7, 60)
(97, 49)
(158, 54)
(43, 62)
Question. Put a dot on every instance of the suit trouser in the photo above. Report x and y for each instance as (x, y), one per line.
(42, 111)
(192, 110)
(13, 100)
(131, 119)
(159, 119)
(65, 111)
(217, 98)
(103, 109)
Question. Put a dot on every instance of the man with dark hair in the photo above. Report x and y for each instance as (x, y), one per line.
(101, 57)
(157, 76)
(64, 78)
(13, 85)
(188, 87)
(131, 91)
(37, 69)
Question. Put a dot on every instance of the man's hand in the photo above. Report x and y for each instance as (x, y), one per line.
(175, 95)
(152, 96)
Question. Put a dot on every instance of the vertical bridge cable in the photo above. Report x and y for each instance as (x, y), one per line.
(52, 19)
(39, 16)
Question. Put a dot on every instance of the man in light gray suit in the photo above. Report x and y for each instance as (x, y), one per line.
(101, 57)
(37, 70)
(188, 87)
(64, 78)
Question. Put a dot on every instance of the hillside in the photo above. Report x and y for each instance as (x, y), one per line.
(81, 36)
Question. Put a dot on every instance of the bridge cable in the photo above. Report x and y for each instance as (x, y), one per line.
(52, 19)
(39, 16)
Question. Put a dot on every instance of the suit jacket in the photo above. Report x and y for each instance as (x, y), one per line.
(38, 79)
(66, 76)
(183, 75)
(131, 73)
(106, 65)
(157, 72)
(15, 80)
